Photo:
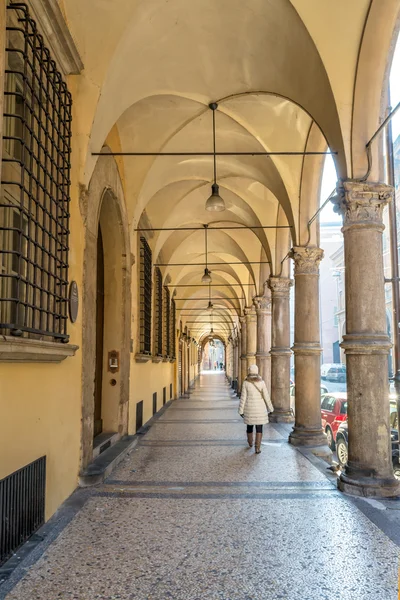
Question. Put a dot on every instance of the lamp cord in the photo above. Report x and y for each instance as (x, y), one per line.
(205, 232)
(215, 158)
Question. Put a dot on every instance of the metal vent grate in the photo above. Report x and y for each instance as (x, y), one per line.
(139, 415)
(22, 504)
(35, 186)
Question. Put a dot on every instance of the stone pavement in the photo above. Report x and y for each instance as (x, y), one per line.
(193, 513)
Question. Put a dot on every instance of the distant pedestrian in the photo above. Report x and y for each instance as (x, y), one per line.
(255, 404)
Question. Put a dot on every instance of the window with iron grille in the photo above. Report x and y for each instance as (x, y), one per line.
(173, 329)
(167, 322)
(158, 308)
(35, 186)
(145, 296)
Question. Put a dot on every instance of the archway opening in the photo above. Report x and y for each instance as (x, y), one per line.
(213, 356)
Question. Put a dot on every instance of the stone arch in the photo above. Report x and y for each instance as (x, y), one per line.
(370, 97)
(103, 204)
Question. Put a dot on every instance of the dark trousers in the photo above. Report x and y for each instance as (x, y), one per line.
(259, 428)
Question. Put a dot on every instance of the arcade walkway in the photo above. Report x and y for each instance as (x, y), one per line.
(193, 513)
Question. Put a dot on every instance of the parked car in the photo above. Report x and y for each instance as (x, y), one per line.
(324, 390)
(342, 440)
(325, 368)
(337, 374)
(333, 413)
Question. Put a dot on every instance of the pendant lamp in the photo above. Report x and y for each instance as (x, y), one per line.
(210, 304)
(214, 203)
(207, 274)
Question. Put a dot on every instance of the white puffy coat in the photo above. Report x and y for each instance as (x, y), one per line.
(254, 401)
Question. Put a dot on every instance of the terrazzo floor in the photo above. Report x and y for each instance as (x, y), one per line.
(192, 513)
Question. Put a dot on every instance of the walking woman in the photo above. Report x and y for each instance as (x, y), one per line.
(255, 404)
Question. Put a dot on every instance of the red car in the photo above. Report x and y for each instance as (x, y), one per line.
(333, 413)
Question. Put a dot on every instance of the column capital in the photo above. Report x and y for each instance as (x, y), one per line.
(306, 259)
(262, 304)
(362, 203)
(280, 286)
(242, 319)
(250, 313)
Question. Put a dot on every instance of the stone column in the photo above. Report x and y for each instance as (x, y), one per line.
(237, 364)
(280, 349)
(263, 356)
(366, 344)
(251, 332)
(243, 351)
(307, 350)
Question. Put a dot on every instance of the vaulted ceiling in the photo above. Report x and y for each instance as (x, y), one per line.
(284, 74)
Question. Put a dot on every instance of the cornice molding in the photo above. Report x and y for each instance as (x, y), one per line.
(57, 36)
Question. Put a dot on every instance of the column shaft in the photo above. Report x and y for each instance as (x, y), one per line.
(280, 350)
(263, 356)
(243, 351)
(369, 470)
(251, 333)
(307, 351)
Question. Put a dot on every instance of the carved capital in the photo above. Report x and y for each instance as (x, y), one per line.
(306, 259)
(242, 319)
(362, 203)
(262, 304)
(280, 286)
(250, 313)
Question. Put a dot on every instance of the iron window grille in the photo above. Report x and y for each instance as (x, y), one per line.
(158, 311)
(173, 328)
(145, 296)
(167, 321)
(35, 186)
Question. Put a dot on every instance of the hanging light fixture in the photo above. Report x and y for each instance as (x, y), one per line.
(215, 203)
(207, 274)
(210, 304)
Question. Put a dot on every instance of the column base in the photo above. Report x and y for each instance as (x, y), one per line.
(369, 487)
(281, 416)
(308, 437)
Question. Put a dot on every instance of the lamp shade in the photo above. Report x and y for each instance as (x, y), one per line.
(215, 203)
(206, 277)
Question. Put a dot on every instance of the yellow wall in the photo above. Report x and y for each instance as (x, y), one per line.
(147, 378)
(40, 411)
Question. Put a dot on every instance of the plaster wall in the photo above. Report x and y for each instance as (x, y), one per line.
(147, 378)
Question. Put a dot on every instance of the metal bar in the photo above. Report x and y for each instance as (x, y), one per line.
(228, 228)
(258, 153)
(394, 254)
(322, 207)
(212, 285)
(383, 124)
(243, 262)
(203, 298)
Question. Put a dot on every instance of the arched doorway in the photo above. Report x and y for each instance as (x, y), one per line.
(106, 304)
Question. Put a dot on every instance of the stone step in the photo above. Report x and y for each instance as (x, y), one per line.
(101, 467)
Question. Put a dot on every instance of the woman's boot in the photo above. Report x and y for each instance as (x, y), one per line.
(250, 439)
(258, 442)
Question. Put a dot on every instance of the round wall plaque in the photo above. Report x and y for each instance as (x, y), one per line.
(73, 301)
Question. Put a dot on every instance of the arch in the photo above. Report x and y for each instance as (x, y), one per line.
(103, 205)
(370, 95)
